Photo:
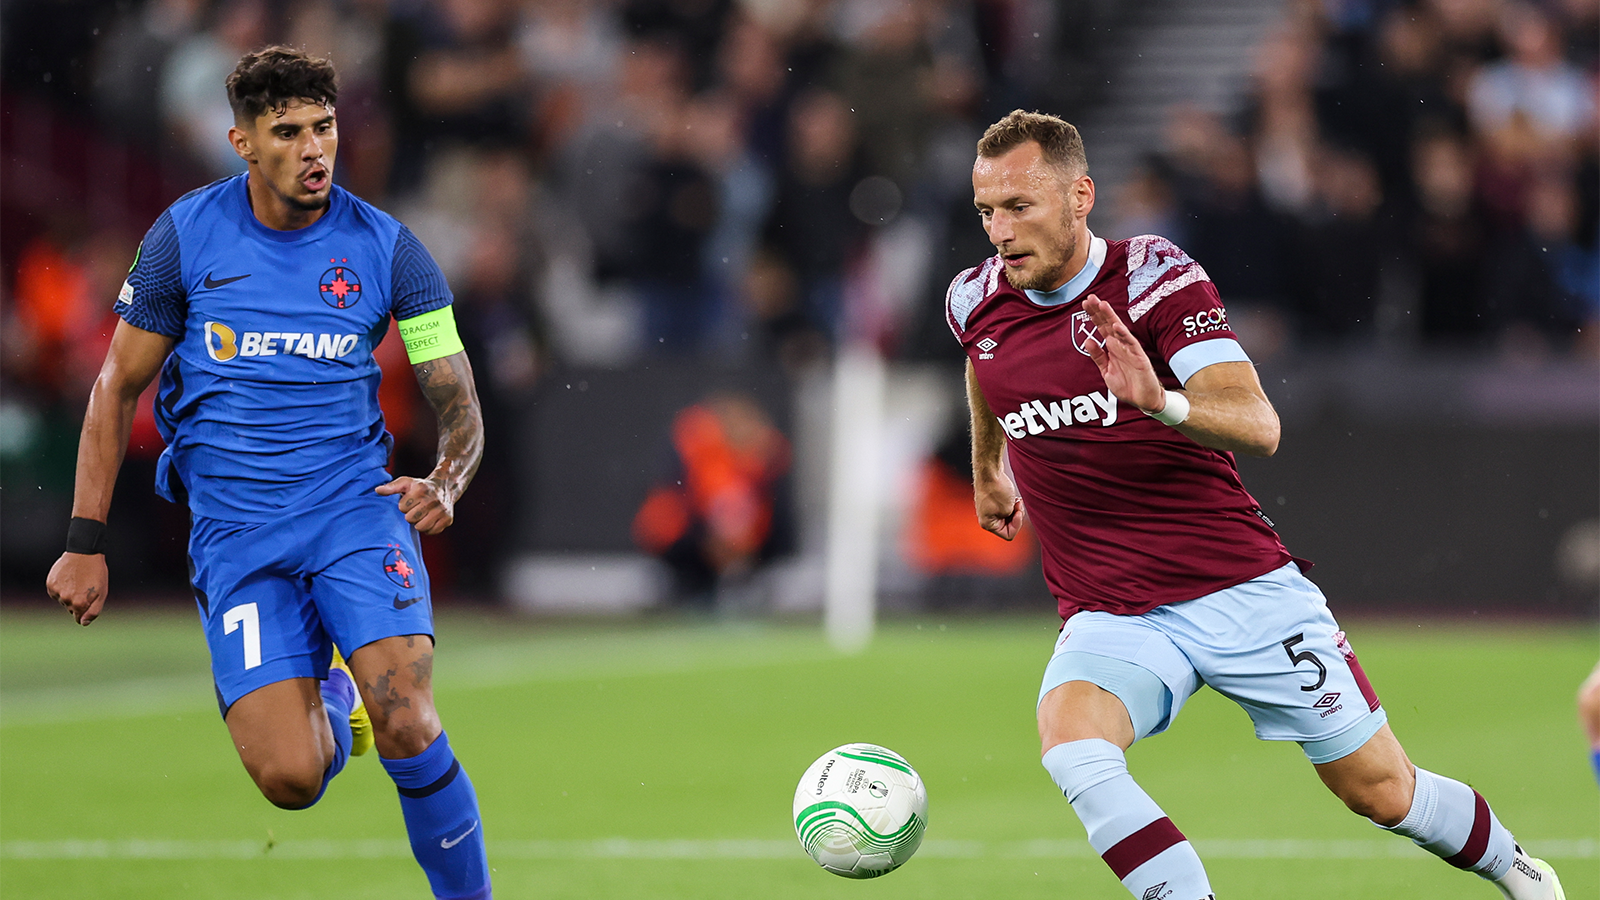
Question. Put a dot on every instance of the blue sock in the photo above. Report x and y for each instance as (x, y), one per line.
(338, 698)
(1146, 852)
(1452, 821)
(441, 812)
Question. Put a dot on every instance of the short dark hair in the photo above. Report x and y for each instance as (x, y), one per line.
(273, 77)
(1059, 141)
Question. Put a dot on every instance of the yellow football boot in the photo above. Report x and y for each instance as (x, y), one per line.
(360, 722)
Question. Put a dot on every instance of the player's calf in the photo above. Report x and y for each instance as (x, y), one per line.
(1377, 781)
(1146, 852)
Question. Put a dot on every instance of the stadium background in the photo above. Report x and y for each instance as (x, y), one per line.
(648, 207)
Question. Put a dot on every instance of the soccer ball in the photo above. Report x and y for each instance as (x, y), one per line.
(860, 811)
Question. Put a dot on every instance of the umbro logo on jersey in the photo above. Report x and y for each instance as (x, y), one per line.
(219, 282)
(987, 346)
(1039, 416)
(409, 601)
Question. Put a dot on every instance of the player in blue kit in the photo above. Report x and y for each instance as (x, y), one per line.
(259, 300)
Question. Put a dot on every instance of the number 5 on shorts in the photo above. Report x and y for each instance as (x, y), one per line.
(1302, 656)
(246, 615)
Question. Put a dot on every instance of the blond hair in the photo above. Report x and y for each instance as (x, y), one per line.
(1058, 140)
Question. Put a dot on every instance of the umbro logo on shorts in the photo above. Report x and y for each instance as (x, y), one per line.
(1326, 700)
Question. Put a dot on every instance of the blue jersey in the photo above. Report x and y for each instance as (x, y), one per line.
(269, 400)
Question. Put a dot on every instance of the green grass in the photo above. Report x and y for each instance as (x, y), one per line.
(659, 761)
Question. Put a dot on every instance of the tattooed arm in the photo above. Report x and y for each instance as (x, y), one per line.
(429, 503)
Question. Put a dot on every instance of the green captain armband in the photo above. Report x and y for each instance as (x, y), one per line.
(431, 335)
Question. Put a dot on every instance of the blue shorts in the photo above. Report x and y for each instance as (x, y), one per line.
(1269, 644)
(274, 598)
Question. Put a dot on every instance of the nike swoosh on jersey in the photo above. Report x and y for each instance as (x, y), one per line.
(222, 281)
(402, 604)
(446, 843)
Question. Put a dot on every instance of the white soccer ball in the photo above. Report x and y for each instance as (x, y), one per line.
(860, 811)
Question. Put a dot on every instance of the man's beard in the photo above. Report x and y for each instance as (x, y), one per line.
(312, 205)
(1050, 278)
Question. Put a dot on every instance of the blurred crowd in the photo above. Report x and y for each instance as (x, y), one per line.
(605, 181)
(1411, 173)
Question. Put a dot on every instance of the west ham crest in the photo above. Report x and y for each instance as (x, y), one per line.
(1083, 332)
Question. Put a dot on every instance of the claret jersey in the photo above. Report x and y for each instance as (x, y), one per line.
(1130, 513)
(269, 400)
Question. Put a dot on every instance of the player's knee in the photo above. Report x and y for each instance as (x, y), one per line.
(1385, 802)
(289, 786)
(402, 737)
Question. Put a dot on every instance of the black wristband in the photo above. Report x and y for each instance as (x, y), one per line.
(86, 536)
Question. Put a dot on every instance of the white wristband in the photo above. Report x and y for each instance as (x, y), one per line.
(1176, 410)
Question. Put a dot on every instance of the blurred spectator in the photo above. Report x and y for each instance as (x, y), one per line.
(1542, 282)
(696, 27)
(770, 295)
(500, 333)
(811, 225)
(453, 73)
(1233, 233)
(66, 279)
(1448, 239)
(1533, 82)
(884, 75)
(1149, 205)
(675, 205)
(573, 49)
(713, 518)
(943, 537)
(1343, 249)
(194, 102)
(130, 63)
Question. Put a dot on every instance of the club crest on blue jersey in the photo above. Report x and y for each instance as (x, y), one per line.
(398, 568)
(340, 287)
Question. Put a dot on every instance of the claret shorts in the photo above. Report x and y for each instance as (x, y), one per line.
(1269, 644)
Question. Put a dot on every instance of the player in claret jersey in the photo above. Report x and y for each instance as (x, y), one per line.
(259, 300)
(1107, 375)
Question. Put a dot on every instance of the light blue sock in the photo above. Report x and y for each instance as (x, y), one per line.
(441, 813)
(338, 698)
(1453, 822)
(1146, 852)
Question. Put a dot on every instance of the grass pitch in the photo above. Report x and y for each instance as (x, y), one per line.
(659, 761)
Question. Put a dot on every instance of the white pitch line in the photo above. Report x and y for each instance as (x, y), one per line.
(661, 849)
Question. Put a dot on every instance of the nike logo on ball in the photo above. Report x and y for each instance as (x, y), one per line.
(402, 604)
(446, 843)
(222, 281)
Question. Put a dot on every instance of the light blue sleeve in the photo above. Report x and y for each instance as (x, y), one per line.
(1197, 356)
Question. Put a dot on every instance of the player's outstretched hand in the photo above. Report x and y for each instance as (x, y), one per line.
(999, 507)
(78, 582)
(1123, 363)
(426, 507)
